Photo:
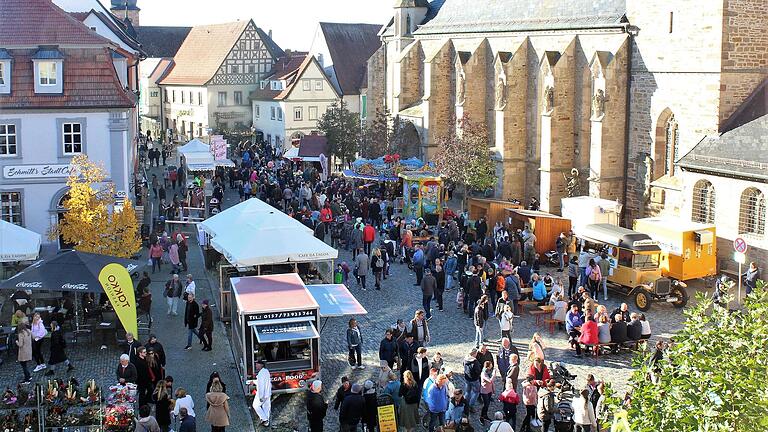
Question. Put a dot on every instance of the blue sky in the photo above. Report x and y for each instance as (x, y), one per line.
(293, 22)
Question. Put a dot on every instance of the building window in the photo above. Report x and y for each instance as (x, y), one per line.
(671, 20)
(257, 111)
(672, 145)
(222, 98)
(238, 98)
(269, 138)
(279, 114)
(165, 91)
(10, 206)
(191, 98)
(173, 96)
(155, 94)
(318, 84)
(306, 85)
(183, 99)
(2, 73)
(73, 138)
(262, 85)
(251, 69)
(298, 114)
(199, 129)
(5, 76)
(752, 212)
(235, 69)
(703, 202)
(47, 73)
(8, 140)
(200, 98)
(313, 113)
(364, 106)
(272, 113)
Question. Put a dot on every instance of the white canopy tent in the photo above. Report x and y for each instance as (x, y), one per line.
(251, 214)
(284, 246)
(196, 152)
(18, 243)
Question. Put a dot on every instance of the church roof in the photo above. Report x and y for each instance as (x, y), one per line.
(350, 47)
(740, 152)
(464, 16)
(754, 106)
(161, 41)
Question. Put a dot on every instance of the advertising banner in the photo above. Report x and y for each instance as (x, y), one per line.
(116, 282)
(386, 414)
(218, 147)
(292, 379)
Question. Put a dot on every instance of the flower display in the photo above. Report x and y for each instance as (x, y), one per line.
(118, 417)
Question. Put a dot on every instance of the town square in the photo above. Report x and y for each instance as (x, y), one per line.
(389, 215)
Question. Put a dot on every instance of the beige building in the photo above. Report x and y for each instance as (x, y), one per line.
(291, 100)
(211, 76)
(602, 87)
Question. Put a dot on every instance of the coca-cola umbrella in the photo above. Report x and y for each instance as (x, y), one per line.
(70, 271)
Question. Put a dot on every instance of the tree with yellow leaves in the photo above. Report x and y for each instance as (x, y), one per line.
(92, 223)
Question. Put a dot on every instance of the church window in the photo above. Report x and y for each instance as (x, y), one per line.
(408, 24)
(752, 212)
(672, 145)
(703, 202)
(671, 20)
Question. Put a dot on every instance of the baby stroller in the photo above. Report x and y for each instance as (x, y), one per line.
(561, 376)
(563, 416)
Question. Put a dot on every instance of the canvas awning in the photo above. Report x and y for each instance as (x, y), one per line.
(244, 247)
(335, 300)
(18, 243)
(250, 214)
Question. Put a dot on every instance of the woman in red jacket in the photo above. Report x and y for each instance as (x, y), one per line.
(539, 372)
(589, 332)
(369, 234)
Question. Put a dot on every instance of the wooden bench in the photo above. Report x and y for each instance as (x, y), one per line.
(526, 303)
(539, 314)
(631, 344)
(551, 322)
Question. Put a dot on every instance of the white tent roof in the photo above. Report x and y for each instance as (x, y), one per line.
(17, 243)
(292, 153)
(195, 146)
(272, 246)
(250, 215)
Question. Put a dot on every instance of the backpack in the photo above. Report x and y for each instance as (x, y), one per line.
(594, 274)
(547, 406)
(501, 283)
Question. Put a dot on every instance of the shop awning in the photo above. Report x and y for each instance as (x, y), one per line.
(335, 300)
(18, 243)
(288, 331)
(200, 166)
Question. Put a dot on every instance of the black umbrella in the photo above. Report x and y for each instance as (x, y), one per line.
(71, 271)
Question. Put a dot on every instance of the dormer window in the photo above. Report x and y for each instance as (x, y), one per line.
(5, 74)
(262, 84)
(276, 85)
(49, 64)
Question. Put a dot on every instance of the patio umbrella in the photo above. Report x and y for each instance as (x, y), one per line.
(71, 271)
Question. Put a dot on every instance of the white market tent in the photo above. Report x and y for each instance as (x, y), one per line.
(18, 243)
(249, 215)
(270, 245)
(198, 156)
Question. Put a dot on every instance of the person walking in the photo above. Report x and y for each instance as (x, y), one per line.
(191, 315)
(262, 401)
(183, 249)
(409, 408)
(437, 402)
(439, 275)
(751, 276)
(355, 345)
(172, 294)
(362, 266)
(187, 423)
(388, 349)
(38, 334)
(316, 407)
(206, 326)
(480, 316)
(143, 378)
(419, 260)
(472, 371)
(58, 352)
(377, 265)
(369, 235)
(217, 414)
(428, 286)
(156, 255)
(486, 390)
(162, 402)
(24, 343)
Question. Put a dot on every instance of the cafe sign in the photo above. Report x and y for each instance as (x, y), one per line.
(36, 171)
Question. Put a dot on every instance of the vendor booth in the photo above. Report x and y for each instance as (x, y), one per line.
(546, 226)
(423, 195)
(385, 168)
(276, 319)
(688, 249)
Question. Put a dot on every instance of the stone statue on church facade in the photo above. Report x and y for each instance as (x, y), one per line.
(648, 162)
(573, 187)
(598, 104)
(501, 94)
(549, 99)
(460, 89)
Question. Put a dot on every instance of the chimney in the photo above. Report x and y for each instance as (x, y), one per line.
(269, 33)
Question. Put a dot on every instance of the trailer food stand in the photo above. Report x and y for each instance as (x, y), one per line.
(276, 318)
(689, 249)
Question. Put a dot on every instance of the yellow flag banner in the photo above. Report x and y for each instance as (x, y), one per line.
(117, 283)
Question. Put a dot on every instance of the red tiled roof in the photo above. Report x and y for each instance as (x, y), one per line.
(286, 68)
(90, 81)
(163, 67)
(203, 51)
(40, 22)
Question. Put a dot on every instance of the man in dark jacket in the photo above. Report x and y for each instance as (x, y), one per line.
(622, 310)
(206, 327)
(481, 228)
(352, 409)
(635, 327)
(388, 349)
(342, 392)
(191, 315)
(407, 350)
(130, 346)
(143, 380)
(472, 370)
(618, 332)
(474, 291)
(428, 286)
(187, 423)
(126, 371)
(316, 407)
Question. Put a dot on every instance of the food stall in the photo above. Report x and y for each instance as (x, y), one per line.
(423, 195)
(689, 249)
(276, 319)
(546, 226)
(494, 210)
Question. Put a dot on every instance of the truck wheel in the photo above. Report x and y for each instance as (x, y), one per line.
(642, 299)
(682, 297)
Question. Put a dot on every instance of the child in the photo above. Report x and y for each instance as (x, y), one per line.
(346, 270)
(338, 275)
(530, 398)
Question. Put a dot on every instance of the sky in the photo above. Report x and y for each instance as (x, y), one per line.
(293, 22)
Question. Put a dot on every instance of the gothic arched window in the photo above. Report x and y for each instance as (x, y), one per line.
(752, 212)
(672, 145)
(703, 202)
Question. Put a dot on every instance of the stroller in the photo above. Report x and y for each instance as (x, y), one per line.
(561, 376)
(562, 419)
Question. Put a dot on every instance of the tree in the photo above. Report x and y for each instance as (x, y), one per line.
(92, 223)
(384, 136)
(465, 157)
(713, 375)
(342, 129)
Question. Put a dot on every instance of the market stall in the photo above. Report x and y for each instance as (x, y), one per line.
(18, 243)
(276, 318)
(385, 168)
(546, 226)
(423, 195)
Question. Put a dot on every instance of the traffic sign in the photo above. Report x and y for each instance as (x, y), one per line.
(740, 245)
(740, 257)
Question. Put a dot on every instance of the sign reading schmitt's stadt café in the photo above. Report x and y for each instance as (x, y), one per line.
(36, 171)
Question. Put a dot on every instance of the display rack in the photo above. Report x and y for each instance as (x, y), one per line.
(20, 410)
(69, 407)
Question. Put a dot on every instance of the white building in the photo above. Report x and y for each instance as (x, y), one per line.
(343, 51)
(212, 74)
(291, 100)
(60, 96)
